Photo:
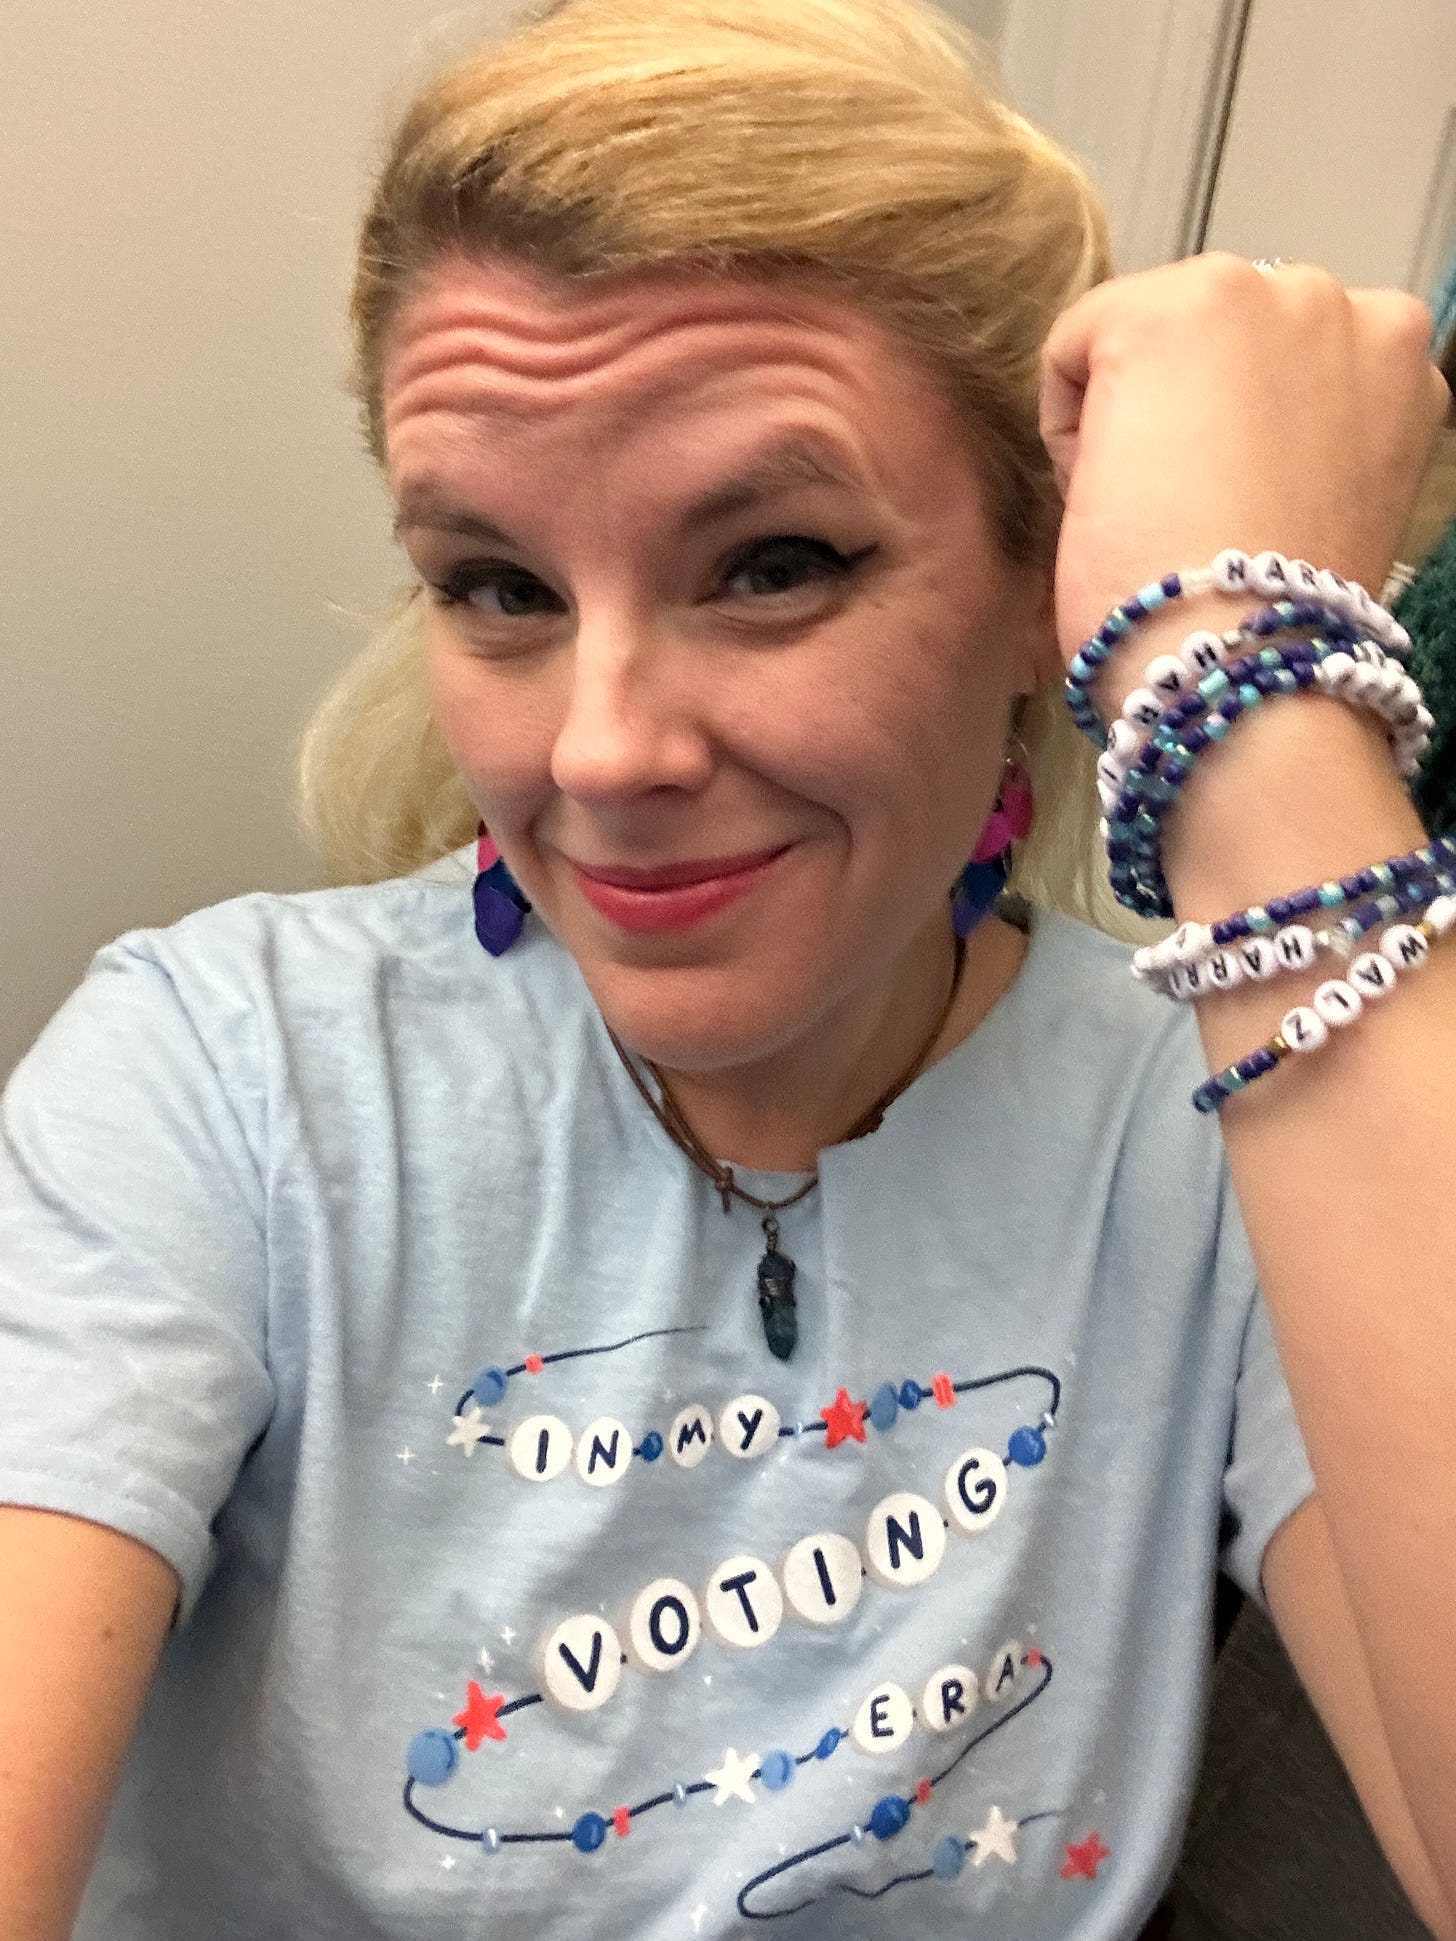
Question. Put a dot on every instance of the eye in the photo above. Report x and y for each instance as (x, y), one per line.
(786, 563)
(497, 590)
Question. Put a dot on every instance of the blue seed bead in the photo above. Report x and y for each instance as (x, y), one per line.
(489, 1387)
(490, 1840)
(432, 1757)
(776, 1771)
(588, 1833)
(1331, 895)
(1302, 902)
(911, 1395)
(679, 1794)
(651, 1446)
(1250, 695)
(1280, 908)
(1263, 1060)
(889, 1817)
(1026, 1447)
(828, 1743)
(884, 1407)
(1117, 624)
(947, 1857)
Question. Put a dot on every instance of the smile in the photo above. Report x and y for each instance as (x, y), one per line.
(672, 896)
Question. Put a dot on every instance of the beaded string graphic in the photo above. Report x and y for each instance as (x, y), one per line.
(541, 1447)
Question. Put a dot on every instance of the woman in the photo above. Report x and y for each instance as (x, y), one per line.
(724, 1406)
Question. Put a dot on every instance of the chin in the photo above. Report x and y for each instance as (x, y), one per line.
(701, 1019)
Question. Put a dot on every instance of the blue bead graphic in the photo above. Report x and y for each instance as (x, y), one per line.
(588, 1833)
(857, 1836)
(651, 1446)
(947, 1857)
(679, 1794)
(828, 1743)
(489, 1387)
(889, 1816)
(884, 1406)
(433, 1755)
(490, 1840)
(1027, 1447)
(776, 1771)
(911, 1395)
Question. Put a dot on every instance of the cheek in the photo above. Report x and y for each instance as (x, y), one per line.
(489, 729)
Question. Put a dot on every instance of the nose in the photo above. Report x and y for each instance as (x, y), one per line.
(632, 718)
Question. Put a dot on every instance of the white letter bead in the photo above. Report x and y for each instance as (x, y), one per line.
(1123, 740)
(1338, 1002)
(1231, 570)
(1295, 946)
(1305, 579)
(691, 1435)
(904, 1540)
(664, 1625)
(1258, 956)
(581, 1664)
(883, 1722)
(1143, 708)
(1303, 1029)
(1201, 652)
(1269, 574)
(1190, 941)
(603, 1452)
(1403, 945)
(1178, 983)
(1224, 970)
(1441, 914)
(975, 1489)
(1371, 974)
(749, 1427)
(823, 1577)
(1167, 675)
(1005, 1671)
(1107, 794)
(539, 1448)
(743, 1603)
(949, 1697)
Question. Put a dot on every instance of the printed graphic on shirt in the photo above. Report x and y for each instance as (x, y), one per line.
(953, 1708)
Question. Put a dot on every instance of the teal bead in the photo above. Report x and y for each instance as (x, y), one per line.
(1212, 685)
(1270, 657)
(1260, 921)
(1250, 696)
(1287, 684)
(1216, 727)
(1331, 895)
(1145, 824)
(1118, 623)
(1383, 873)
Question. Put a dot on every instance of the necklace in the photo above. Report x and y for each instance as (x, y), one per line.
(776, 1270)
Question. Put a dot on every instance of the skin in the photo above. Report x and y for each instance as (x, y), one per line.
(632, 688)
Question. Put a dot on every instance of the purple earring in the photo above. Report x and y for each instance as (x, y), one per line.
(985, 875)
(500, 908)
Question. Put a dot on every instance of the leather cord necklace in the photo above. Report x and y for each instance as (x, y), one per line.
(776, 1269)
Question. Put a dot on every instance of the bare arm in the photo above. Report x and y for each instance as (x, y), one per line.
(83, 1618)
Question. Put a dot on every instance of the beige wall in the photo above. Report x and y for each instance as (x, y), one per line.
(183, 496)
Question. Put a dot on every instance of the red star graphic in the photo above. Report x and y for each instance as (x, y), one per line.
(1084, 1859)
(1033, 1657)
(846, 1420)
(479, 1717)
(533, 1364)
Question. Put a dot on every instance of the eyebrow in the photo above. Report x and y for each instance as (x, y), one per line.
(785, 465)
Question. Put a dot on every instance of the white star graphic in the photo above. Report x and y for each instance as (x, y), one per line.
(469, 1429)
(698, 1916)
(733, 1778)
(508, 1636)
(485, 1661)
(996, 1836)
(406, 1455)
(447, 1861)
(435, 1386)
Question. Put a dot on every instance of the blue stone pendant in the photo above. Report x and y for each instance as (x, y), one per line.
(776, 1303)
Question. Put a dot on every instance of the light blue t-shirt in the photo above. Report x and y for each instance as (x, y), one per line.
(524, 1592)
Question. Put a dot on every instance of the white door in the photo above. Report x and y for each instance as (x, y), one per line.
(1341, 140)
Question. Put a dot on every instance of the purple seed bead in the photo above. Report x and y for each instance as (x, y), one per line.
(1172, 585)
(1280, 908)
(1134, 610)
(1302, 902)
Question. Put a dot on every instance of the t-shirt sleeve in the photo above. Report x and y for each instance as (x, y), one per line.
(133, 1265)
(1268, 1474)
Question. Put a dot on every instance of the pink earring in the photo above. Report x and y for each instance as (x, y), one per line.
(985, 875)
(500, 907)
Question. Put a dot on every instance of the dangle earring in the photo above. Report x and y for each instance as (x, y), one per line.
(985, 875)
(500, 907)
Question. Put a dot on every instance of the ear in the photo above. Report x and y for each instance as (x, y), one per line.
(1041, 664)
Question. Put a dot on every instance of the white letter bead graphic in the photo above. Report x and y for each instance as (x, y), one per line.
(582, 1663)
(540, 1448)
(1005, 1670)
(949, 1697)
(1403, 945)
(883, 1722)
(691, 1435)
(823, 1578)
(743, 1604)
(1258, 957)
(904, 1540)
(1338, 1002)
(1371, 974)
(664, 1626)
(749, 1426)
(975, 1489)
(603, 1452)
(1303, 1029)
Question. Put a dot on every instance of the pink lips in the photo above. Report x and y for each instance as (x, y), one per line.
(671, 896)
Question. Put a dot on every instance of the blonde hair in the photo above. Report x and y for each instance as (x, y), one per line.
(856, 144)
